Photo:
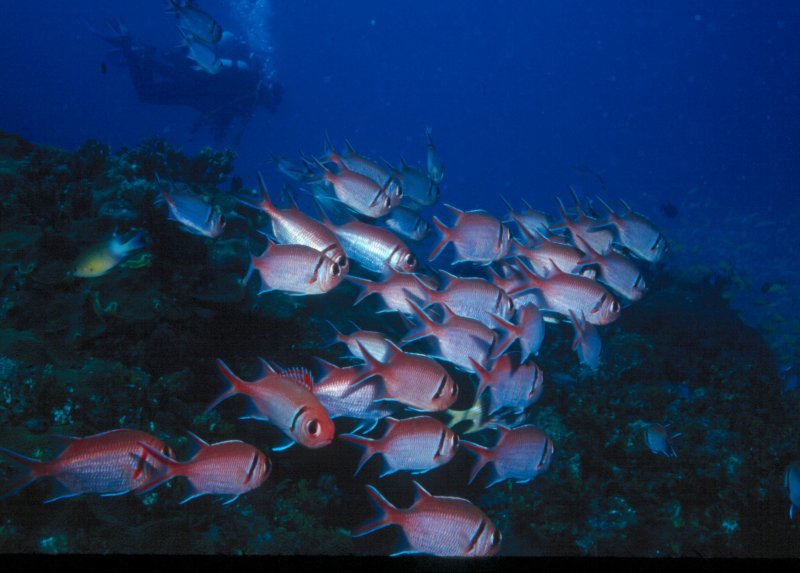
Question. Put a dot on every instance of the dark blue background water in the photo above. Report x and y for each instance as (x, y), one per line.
(659, 100)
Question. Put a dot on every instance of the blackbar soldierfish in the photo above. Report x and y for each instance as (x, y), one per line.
(284, 399)
(436, 525)
(395, 290)
(353, 161)
(529, 330)
(408, 223)
(618, 272)
(415, 380)
(416, 445)
(477, 236)
(292, 226)
(636, 232)
(362, 194)
(514, 386)
(520, 454)
(110, 463)
(563, 292)
(472, 297)
(225, 468)
(375, 248)
(295, 269)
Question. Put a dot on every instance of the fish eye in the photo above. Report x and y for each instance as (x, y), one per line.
(335, 270)
(615, 307)
(411, 260)
(313, 427)
(342, 261)
(455, 440)
(399, 191)
(454, 391)
(388, 202)
(495, 538)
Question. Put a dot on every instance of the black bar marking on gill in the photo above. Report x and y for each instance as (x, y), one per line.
(297, 416)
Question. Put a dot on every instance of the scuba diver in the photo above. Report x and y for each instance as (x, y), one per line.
(224, 82)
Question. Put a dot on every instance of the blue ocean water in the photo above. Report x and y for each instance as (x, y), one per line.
(687, 110)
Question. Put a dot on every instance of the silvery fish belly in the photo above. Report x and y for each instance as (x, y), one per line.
(295, 269)
(360, 193)
(375, 248)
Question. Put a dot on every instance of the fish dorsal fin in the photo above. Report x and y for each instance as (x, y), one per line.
(266, 367)
(420, 493)
(327, 367)
(455, 210)
(197, 440)
(299, 375)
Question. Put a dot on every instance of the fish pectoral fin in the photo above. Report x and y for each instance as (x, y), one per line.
(284, 446)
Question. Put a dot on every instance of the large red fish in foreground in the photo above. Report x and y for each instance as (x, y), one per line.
(284, 399)
(110, 463)
(443, 526)
(225, 468)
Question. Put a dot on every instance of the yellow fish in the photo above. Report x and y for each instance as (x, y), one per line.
(101, 258)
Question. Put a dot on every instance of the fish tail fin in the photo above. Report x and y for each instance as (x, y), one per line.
(33, 470)
(132, 244)
(484, 376)
(368, 287)
(337, 335)
(445, 231)
(167, 472)
(484, 457)
(387, 514)
(368, 445)
(235, 385)
(425, 327)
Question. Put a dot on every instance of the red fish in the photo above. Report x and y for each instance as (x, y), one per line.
(563, 292)
(476, 235)
(295, 269)
(460, 340)
(599, 239)
(636, 232)
(415, 380)
(110, 463)
(292, 226)
(617, 271)
(472, 297)
(416, 445)
(529, 221)
(353, 161)
(442, 526)
(225, 468)
(520, 454)
(285, 400)
(362, 194)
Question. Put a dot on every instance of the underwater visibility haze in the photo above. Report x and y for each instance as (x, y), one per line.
(461, 279)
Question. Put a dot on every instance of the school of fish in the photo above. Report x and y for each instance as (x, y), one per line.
(484, 316)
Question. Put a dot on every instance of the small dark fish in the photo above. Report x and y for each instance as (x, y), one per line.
(669, 210)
